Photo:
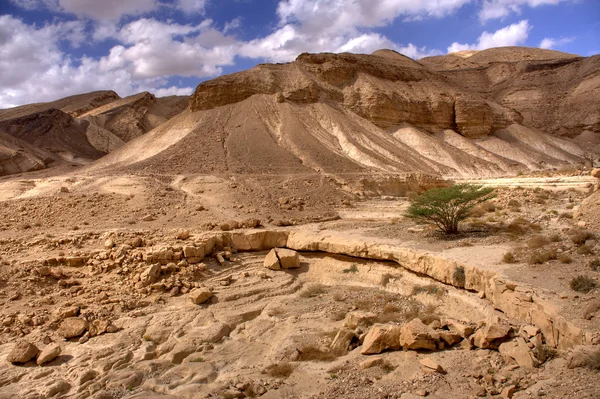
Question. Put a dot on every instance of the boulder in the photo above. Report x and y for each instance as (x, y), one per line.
(354, 320)
(450, 338)
(342, 340)
(272, 261)
(200, 295)
(381, 337)
(72, 327)
(519, 352)
(288, 258)
(22, 352)
(596, 173)
(416, 335)
(48, 354)
(491, 336)
(464, 330)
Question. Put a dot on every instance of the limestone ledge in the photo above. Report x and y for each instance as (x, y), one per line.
(516, 300)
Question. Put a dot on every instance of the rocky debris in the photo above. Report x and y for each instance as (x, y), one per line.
(381, 337)
(371, 362)
(416, 335)
(72, 327)
(200, 295)
(282, 258)
(48, 354)
(22, 352)
(491, 335)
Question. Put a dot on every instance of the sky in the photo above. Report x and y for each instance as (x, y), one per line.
(51, 49)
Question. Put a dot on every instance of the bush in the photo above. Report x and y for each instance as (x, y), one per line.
(585, 250)
(312, 290)
(352, 269)
(446, 207)
(509, 257)
(595, 265)
(565, 258)
(555, 237)
(566, 215)
(538, 241)
(582, 284)
(544, 353)
(312, 353)
(579, 237)
(513, 203)
(542, 257)
(279, 370)
(592, 361)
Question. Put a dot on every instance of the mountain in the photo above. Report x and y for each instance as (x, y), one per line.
(357, 116)
(77, 129)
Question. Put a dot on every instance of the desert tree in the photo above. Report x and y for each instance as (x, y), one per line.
(446, 207)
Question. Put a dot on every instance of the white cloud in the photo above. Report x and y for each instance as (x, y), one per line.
(35, 69)
(192, 6)
(232, 25)
(550, 43)
(496, 9)
(512, 35)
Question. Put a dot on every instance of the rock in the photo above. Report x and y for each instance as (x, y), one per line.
(416, 335)
(200, 295)
(193, 254)
(272, 261)
(151, 274)
(48, 354)
(491, 335)
(464, 330)
(86, 375)
(109, 244)
(22, 352)
(342, 340)
(72, 327)
(421, 392)
(148, 218)
(431, 365)
(72, 311)
(450, 338)
(519, 352)
(59, 387)
(473, 116)
(595, 173)
(508, 392)
(381, 337)
(182, 235)
(372, 362)
(289, 259)
(531, 331)
(354, 320)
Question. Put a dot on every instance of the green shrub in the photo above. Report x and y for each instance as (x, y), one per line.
(446, 207)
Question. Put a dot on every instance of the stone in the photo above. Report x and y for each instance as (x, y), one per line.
(22, 352)
(357, 319)
(48, 354)
(59, 387)
(342, 340)
(109, 244)
(429, 365)
(200, 295)
(450, 338)
(381, 337)
(491, 335)
(369, 363)
(182, 235)
(595, 173)
(150, 275)
(288, 258)
(508, 391)
(72, 327)
(519, 352)
(272, 261)
(531, 331)
(464, 330)
(416, 335)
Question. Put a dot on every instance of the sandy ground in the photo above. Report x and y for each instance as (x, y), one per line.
(250, 339)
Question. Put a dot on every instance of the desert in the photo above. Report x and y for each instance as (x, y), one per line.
(252, 239)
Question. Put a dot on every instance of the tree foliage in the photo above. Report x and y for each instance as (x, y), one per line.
(446, 207)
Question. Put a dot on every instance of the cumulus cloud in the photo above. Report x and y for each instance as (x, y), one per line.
(496, 9)
(35, 69)
(550, 43)
(192, 6)
(512, 35)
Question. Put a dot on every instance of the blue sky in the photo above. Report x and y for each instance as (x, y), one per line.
(50, 49)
